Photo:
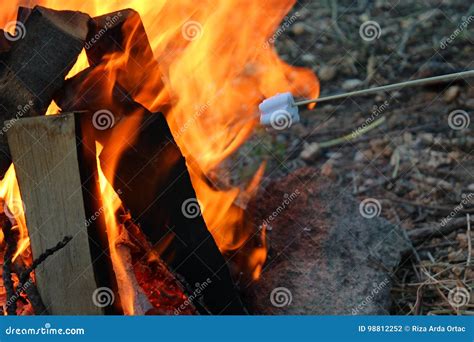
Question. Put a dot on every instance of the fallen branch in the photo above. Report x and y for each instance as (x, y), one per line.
(419, 235)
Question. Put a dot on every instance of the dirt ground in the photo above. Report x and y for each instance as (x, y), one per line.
(409, 150)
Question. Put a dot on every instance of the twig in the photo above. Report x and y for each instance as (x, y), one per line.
(353, 135)
(47, 253)
(334, 9)
(419, 235)
(25, 275)
(11, 245)
(469, 242)
(443, 209)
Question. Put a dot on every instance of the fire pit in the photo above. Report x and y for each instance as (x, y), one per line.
(110, 206)
(116, 125)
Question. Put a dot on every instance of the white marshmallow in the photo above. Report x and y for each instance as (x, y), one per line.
(279, 111)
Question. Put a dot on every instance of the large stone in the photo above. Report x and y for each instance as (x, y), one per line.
(325, 257)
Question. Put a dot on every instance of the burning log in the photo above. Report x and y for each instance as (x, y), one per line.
(122, 35)
(10, 248)
(155, 185)
(152, 173)
(27, 83)
(56, 172)
(51, 184)
(5, 44)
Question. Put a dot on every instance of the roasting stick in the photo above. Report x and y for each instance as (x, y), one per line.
(282, 108)
(412, 83)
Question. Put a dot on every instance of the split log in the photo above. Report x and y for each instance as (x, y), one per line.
(36, 65)
(152, 173)
(122, 34)
(23, 14)
(155, 182)
(5, 44)
(55, 165)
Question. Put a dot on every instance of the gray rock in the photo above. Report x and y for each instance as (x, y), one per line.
(298, 29)
(327, 73)
(325, 258)
(451, 94)
(310, 152)
(351, 84)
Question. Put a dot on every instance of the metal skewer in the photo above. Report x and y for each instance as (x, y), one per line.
(422, 81)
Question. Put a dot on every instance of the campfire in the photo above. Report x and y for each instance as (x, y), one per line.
(117, 122)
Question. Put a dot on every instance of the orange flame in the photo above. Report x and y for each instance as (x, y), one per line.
(217, 64)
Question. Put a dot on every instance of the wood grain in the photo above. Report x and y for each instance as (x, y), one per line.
(46, 153)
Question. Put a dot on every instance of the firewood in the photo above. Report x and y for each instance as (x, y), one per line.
(36, 65)
(10, 248)
(55, 164)
(155, 182)
(23, 14)
(31, 290)
(122, 34)
(5, 44)
(154, 179)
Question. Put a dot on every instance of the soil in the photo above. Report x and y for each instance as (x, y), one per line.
(416, 163)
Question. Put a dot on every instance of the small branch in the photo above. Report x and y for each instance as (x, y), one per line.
(47, 253)
(25, 275)
(353, 135)
(469, 242)
(11, 243)
(419, 235)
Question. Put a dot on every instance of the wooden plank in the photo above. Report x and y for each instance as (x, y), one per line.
(36, 65)
(60, 195)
